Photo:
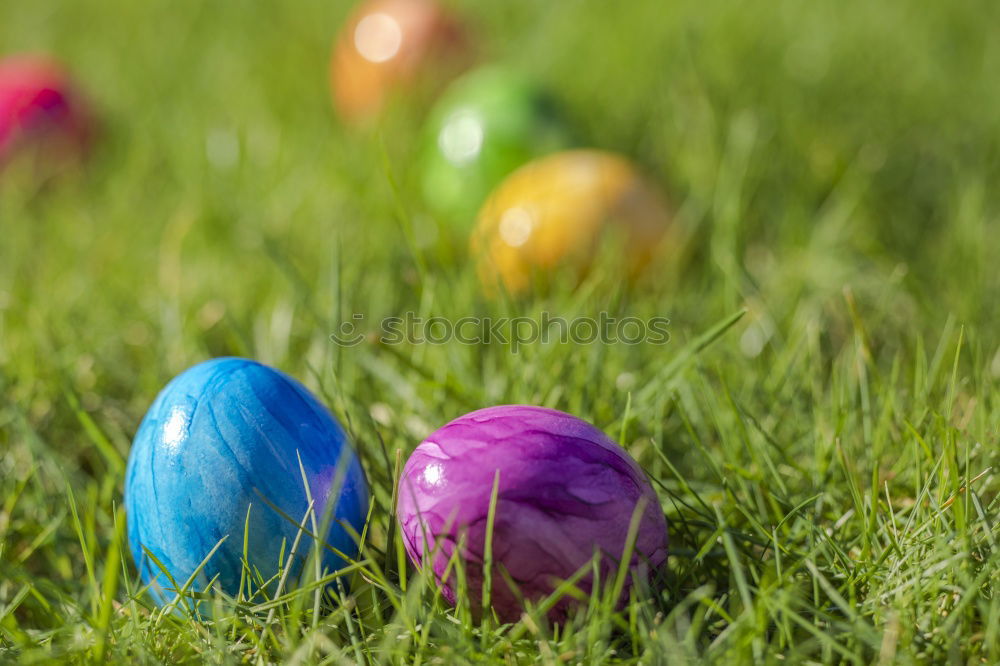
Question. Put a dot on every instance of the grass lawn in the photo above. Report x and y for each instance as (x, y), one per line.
(827, 462)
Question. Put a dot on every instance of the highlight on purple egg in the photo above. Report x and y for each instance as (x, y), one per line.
(566, 492)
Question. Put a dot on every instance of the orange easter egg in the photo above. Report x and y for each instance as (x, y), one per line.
(386, 47)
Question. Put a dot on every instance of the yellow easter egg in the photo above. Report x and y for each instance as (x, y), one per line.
(555, 214)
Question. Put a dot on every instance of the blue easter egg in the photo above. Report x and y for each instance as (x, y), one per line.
(225, 438)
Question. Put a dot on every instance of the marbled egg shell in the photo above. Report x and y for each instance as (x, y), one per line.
(223, 438)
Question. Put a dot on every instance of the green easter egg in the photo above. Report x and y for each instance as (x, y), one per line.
(488, 123)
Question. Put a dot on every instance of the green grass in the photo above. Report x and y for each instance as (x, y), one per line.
(827, 465)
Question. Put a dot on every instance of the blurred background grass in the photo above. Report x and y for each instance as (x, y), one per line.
(833, 164)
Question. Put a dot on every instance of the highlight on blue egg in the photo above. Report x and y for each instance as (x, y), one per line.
(216, 457)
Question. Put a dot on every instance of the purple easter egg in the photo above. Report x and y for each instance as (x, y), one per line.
(565, 491)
